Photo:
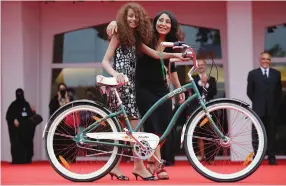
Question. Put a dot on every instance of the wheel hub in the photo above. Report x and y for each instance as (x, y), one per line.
(225, 142)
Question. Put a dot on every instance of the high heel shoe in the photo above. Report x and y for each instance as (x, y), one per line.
(157, 171)
(121, 177)
(150, 178)
(148, 167)
(162, 177)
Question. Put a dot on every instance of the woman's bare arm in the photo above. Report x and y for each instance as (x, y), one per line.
(113, 44)
(156, 54)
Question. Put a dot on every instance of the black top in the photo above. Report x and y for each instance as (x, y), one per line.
(19, 110)
(149, 72)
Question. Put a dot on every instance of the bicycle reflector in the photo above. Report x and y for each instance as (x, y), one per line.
(248, 159)
(96, 119)
(204, 122)
(64, 162)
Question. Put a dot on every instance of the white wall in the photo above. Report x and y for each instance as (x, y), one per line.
(12, 64)
(31, 37)
(240, 48)
(240, 56)
(20, 60)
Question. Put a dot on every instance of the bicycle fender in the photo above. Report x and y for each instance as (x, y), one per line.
(214, 101)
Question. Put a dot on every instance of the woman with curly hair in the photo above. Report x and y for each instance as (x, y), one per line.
(134, 31)
(153, 87)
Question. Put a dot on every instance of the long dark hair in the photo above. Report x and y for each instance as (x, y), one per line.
(175, 33)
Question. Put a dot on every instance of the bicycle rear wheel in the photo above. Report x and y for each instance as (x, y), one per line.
(231, 160)
(72, 158)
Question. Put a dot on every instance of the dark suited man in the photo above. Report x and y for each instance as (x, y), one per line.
(208, 89)
(264, 89)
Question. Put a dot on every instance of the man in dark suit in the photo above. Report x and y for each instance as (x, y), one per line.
(208, 89)
(264, 89)
(205, 84)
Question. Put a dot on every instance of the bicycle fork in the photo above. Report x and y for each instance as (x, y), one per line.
(213, 125)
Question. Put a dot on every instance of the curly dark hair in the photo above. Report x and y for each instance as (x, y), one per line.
(175, 34)
(142, 32)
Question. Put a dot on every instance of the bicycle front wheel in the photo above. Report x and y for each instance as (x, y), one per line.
(225, 160)
(74, 158)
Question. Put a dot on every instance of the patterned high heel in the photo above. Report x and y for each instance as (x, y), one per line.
(150, 178)
(121, 177)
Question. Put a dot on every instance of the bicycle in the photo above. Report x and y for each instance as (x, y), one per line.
(96, 133)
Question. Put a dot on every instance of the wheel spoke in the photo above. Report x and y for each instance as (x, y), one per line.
(229, 160)
(74, 158)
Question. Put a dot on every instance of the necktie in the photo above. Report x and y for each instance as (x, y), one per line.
(265, 73)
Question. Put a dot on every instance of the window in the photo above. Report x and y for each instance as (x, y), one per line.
(275, 40)
(81, 46)
(218, 74)
(207, 39)
(207, 43)
(78, 80)
(281, 67)
(77, 57)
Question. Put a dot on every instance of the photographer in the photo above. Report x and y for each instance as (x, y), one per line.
(60, 99)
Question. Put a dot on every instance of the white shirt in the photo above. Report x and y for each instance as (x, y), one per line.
(263, 71)
(200, 82)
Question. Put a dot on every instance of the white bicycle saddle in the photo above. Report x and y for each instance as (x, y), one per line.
(109, 81)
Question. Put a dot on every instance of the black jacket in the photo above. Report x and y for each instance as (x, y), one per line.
(265, 93)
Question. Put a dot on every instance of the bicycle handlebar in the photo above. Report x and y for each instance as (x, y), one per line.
(188, 53)
(173, 44)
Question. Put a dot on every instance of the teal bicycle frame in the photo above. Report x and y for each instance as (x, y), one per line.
(190, 85)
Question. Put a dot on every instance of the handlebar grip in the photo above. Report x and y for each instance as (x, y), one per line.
(172, 44)
(179, 43)
(167, 44)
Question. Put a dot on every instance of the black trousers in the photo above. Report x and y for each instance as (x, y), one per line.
(270, 127)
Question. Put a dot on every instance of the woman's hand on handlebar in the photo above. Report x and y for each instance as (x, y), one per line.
(179, 56)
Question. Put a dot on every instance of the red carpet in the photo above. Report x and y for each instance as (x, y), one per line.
(41, 173)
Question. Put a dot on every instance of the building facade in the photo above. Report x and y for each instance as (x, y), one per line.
(44, 43)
